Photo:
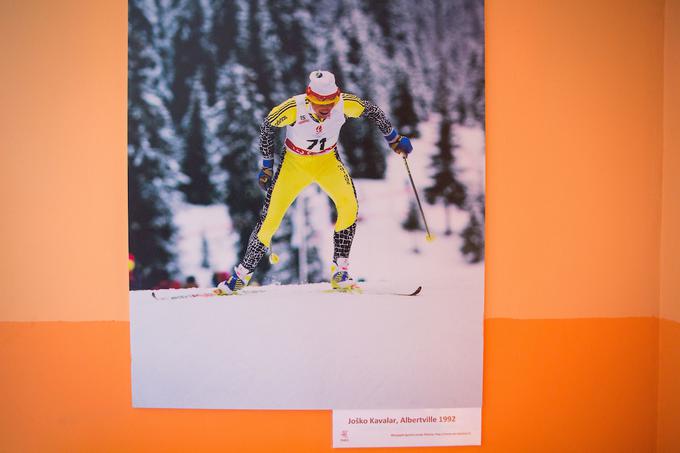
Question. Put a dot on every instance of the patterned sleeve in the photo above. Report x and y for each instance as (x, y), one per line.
(356, 107)
(282, 115)
(267, 136)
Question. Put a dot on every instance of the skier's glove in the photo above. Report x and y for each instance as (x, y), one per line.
(399, 143)
(266, 174)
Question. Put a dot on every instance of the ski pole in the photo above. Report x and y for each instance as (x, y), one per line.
(273, 257)
(429, 236)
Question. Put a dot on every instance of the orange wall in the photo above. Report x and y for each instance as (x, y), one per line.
(574, 133)
(575, 145)
(63, 161)
(668, 409)
(549, 386)
(574, 111)
(669, 326)
(670, 226)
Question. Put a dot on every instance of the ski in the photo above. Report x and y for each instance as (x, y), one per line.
(414, 293)
(170, 295)
(212, 293)
(370, 292)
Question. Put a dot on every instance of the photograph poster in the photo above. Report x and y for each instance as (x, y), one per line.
(306, 199)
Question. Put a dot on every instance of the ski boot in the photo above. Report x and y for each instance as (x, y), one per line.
(340, 278)
(238, 280)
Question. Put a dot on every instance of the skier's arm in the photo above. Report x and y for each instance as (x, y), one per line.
(282, 115)
(355, 107)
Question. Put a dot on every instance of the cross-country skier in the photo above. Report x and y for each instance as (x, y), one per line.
(313, 121)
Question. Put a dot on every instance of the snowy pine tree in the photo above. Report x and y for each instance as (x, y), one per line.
(446, 186)
(412, 221)
(403, 108)
(473, 240)
(398, 23)
(189, 56)
(221, 42)
(223, 30)
(259, 50)
(412, 224)
(196, 164)
(289, 19)
(470, 50)
(152, 168)
(205, 252)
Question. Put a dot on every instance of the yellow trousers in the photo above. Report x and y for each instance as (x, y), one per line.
(297, 172)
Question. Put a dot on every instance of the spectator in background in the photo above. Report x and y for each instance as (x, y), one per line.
(168, 284)
(191, 282)
(131, 272)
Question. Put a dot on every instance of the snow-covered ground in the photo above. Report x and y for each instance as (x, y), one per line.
(300, 347)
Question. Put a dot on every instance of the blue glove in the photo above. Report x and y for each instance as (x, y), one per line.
(264, 178)
(399, 143)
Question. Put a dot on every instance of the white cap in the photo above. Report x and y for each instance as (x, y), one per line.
(322, 83)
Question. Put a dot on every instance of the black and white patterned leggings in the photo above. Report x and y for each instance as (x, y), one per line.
(294, 174)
